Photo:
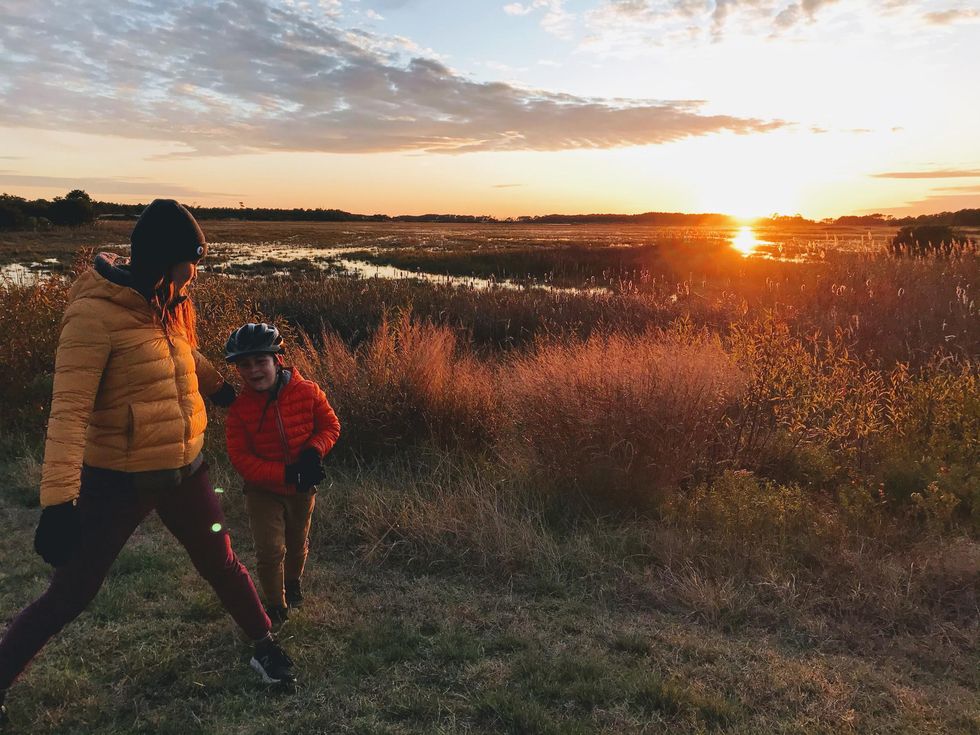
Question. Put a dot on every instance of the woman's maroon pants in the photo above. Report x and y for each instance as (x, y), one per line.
(110, 509)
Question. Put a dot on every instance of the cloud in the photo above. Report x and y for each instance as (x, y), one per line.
(555, 19)
(937, 174)
(253, 75)
(936, 203)
(107, 185)
(373, 14)
(505, 186)
(634, 27)
(517, 9)
(951, 16)
(973, 188)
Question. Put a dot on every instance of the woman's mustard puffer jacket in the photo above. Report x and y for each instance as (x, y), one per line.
(125, 396)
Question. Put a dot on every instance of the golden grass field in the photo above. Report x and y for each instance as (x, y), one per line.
(652, 485)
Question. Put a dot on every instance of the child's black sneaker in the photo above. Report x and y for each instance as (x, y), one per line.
(272, 663)
(277, 615)
(294, 593)
(3, 708)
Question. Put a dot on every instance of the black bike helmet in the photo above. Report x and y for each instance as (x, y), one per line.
(253, 339)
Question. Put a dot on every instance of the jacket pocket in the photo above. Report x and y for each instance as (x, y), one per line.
(149, 428)
(116, 419)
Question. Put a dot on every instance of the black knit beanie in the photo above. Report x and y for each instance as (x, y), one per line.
(165, 234)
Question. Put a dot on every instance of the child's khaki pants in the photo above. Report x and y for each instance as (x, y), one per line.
(280, 529)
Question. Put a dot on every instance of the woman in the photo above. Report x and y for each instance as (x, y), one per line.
(125, 437)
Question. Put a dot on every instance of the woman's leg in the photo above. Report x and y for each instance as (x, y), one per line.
(193, 515)
(298, 518)
(267, 519)
(109, 510)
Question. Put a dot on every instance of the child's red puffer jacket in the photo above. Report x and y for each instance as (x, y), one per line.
(265, 435)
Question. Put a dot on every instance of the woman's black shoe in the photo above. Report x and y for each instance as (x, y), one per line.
(272, 663)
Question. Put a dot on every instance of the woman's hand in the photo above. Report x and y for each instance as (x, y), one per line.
(58, 533)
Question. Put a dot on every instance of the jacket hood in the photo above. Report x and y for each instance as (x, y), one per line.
(109, 279)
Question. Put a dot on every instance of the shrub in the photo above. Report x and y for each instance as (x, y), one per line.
(923, 239)
(408, 384)
(618, 420)
(751, 518)
(30, 319)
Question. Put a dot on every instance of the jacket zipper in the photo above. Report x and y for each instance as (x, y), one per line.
(282, 434)
(180, 405)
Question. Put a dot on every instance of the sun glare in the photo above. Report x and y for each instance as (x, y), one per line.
(745, 241)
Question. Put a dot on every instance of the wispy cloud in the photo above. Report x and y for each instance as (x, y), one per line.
(975, 188)
(505, 186)
(951, 16)
(555, 19)
(241, 75)
(936, 174)
(518, 8)
(936, 203)
(634, 27)
(108, 185)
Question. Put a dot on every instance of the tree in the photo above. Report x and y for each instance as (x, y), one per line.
(73, 210)
(12, 216)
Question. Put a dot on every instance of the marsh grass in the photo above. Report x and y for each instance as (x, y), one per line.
(724, 505)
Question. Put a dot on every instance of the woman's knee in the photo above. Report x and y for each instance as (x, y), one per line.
(66, 599)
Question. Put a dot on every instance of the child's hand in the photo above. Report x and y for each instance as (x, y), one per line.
(305, 472)
(225, 396)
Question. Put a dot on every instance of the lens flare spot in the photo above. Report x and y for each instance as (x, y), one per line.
(216, 527)
(219, 490)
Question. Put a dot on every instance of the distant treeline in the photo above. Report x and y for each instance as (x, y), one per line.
(77, 208)
(647, 218)
(960, 218)
(74, 209)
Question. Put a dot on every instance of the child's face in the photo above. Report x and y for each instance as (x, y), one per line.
(257, 371)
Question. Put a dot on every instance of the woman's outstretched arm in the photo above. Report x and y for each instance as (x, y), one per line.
(83, 350)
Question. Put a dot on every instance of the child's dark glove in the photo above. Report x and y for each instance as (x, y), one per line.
(58, 533)
(224, 396)
(306, 471)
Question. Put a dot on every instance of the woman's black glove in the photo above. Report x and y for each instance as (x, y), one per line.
(306, 471)
(58, 533)
(224, 396)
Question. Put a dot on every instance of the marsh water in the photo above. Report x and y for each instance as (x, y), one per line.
(580, 259)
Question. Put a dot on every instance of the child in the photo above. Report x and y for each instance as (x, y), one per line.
(278, 431)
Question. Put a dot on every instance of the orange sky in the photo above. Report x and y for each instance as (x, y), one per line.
(747, 107)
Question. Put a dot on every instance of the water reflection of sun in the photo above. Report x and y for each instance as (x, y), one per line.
(745, 241)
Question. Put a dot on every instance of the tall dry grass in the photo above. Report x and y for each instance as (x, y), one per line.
(408, 384)
(619, 420)
(747, 452)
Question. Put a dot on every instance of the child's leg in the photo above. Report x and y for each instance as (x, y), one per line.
(193, 515)
(109, 510)
(267, 519)
(299, 515)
